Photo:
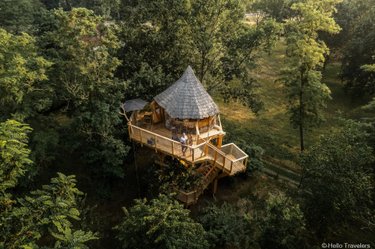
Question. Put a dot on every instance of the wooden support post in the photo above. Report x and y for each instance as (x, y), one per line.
(221, 127)
(219, 141)
(197, 132)
(215, 157)
(214, 186)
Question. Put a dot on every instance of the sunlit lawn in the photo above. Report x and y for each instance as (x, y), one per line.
(271, 128)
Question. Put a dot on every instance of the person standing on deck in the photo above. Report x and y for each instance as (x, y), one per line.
(183, 141)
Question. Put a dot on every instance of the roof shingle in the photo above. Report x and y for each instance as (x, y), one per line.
(187, 98)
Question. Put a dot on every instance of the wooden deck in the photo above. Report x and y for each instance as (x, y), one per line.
(230, 158)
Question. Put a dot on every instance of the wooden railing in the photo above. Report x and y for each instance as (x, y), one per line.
(240, 158)
(229, 158)
(192, 196)
(188, 197)
(170, 146)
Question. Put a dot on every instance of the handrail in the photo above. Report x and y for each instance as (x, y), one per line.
(241, 158)
(234, 145)
(216, 149)
(217, 158)
(166, 138)
(225, 162)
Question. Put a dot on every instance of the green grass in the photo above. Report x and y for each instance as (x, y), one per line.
(271, 128)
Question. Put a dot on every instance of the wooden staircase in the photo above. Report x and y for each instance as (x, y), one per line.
(229, 159)
(210, 173)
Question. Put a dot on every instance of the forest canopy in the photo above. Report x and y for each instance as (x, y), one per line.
(295, 83)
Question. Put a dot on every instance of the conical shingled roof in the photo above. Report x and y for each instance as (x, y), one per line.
(187, 98)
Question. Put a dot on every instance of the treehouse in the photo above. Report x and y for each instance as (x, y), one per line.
(186, 108)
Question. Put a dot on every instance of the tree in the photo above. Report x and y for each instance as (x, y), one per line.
(360, 50)
(161, 223)
(307, 94)
(278, 9)
(223, 48)
(84, 44)
(21, 75)
(18, 16)
(163, 37)
(14, 156)
(25, 222)
(156, 52)
(338, 179)
(226, 226)
(282, 225)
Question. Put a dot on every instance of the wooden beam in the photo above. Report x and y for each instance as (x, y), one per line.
(220, 141)
(214, 186)
(218, 116)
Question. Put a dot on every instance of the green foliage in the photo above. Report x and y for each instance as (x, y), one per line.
(176, 175)
(26, 221)
(14, 157)
(307, 94)
(66, 238)
(161, 223)
(359, 47)
(163, 37)
(48, 210)
(226, 226)
(213, 25)
(282, 224)
(84, 44)
(156, 51)
(21, 73)
(337, 178)
(255, 153)
(17, 16)
(278, 9)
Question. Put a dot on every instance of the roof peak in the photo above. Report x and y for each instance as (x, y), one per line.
(189, 76)
(187, 98)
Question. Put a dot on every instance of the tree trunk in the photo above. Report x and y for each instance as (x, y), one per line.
(203, 64)
(301, 111)
(301, 137)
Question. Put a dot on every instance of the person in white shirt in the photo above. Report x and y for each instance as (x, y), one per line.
(183, 141)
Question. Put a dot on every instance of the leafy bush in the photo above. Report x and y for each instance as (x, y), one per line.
(282, 224)
(341, 165)
(162, 223)
(226, 226)
(175, 174)
(255, 162)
